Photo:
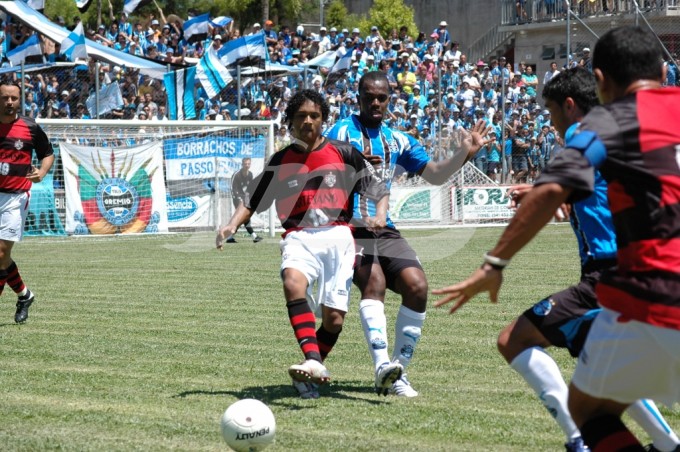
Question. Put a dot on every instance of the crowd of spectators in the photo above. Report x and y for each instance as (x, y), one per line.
(436, 89)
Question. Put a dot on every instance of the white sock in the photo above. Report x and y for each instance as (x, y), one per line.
(24, 292)
(253, 235)
(407, 330)
(374, 322)
(647, 415)
(541, 372)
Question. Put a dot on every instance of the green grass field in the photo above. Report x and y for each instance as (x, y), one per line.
(140, 343)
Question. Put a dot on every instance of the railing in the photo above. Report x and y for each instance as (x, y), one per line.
(487, 44)
(554, 10)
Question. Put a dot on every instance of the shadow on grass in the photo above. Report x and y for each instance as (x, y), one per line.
(275, 394)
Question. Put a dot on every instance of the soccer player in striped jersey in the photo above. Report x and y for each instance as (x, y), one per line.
(20, 137)
(632, 350)
(564, 318)
(386, 260)
(313, 181)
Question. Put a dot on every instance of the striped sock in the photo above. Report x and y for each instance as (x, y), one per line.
(3, 280)
(326, 341)
(14, 280)
(608, 434)
(303, 322)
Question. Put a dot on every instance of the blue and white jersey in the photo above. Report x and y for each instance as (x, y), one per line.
(591, 220)
(400, 153)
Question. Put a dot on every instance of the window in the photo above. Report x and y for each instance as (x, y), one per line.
(548, 53)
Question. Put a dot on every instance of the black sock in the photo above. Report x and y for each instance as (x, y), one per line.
(326, 340)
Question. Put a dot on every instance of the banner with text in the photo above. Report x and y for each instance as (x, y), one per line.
(110, 191)
(211, 157)
(190, 211)
(480, 203)
(418, 204)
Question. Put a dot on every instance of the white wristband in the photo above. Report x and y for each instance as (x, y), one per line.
(496, 262)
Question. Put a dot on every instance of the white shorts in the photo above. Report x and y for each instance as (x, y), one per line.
(13, 211)
(627, 361)
(326, 257)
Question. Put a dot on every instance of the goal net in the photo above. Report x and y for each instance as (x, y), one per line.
(120, 176)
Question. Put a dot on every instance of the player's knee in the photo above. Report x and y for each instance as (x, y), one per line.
(414, 293)
(333, 321)
(294, 284)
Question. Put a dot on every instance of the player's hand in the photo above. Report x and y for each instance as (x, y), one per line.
(484, 279)
(222, 234)
(34, 175)
(374, 160)
(476, 138)
(516, 193)
(375, 223)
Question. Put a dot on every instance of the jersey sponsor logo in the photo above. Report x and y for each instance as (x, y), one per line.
(292, 183)
(330, 179)
(543, 307)
(19, 144)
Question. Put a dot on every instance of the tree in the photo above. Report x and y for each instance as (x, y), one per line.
(389, 14)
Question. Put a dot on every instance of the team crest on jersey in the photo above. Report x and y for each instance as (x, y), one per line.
(543, 307)
(19, 144)
(330, 179)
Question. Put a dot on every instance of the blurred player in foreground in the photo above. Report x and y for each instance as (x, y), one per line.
(386, 259)
(564, 318)
(633, 348)
(313, 181)
(20, 136)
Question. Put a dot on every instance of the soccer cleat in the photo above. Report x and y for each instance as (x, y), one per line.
(306, 389)
(257, 239)
(231, 240)
(386, 375)
(310, 370)
(23, 303)
(402, 388)
(576, 445)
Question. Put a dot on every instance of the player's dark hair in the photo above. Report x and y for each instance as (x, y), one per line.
(577, 83)
(372, 76)
(627, 54)
(300, 98)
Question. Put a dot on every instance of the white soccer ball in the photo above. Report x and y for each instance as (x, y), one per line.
(248, 425)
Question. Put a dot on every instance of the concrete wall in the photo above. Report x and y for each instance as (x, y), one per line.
(468, 20)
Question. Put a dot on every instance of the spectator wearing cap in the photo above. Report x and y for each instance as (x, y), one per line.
(63, 104)
(443, 33)
(217, 42)
(256, 29)
(427, 72)
(324, 40)
(376, 38)
(586, 60)
(433, 41)
(270, 35)
(155, 26)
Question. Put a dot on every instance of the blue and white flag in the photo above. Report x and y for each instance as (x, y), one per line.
(245, 51)
(212, 74)
(131, 5)
(341, 66)
(198, 25)
(110, 98)
(83, 5)
(37, 5)
(221, 21)
(179, 86)
(31, 46)
(326, 59)
(74, 44)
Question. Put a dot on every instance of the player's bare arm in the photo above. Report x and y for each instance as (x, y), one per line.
(239, 217)
(438, 173)
(378, 221)
(538, 206)
(38, 174)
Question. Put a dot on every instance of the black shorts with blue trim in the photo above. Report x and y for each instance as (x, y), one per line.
(388, 248)
(564, 318)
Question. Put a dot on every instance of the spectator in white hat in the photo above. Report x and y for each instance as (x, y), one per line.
(444, 35)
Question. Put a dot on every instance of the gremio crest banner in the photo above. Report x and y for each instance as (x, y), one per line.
(110, 191)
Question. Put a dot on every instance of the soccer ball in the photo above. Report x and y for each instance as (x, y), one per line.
(248, 425)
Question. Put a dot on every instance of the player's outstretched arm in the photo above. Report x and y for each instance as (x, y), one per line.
(471, 142)
(378, 221)
(241, 216)
(536, 209)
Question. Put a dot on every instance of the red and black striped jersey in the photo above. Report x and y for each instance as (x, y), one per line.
(314, 189)
(18, 140)
(635, 142)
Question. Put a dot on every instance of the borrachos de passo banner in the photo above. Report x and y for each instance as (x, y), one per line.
(211, 157)
(114, 190)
